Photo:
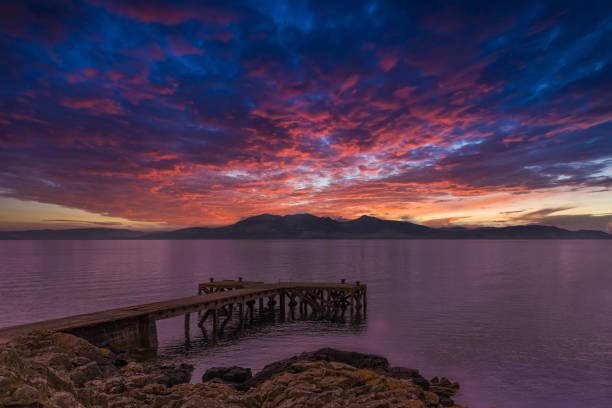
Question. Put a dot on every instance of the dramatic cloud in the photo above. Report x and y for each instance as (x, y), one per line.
(203, 112)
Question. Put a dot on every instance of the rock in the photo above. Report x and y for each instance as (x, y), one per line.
(174, 374)
(410, 374)
(79, 361)
(54, 360)
(431, 398)
(25, 395)
(114, 386)
(10, 358)
(325, 384)
(359, 360)
(55, 370)
(63, 400)
(7, 384)
(79, 346)
(157, 389)
(139, 381)
(84, 373)
(122, 402)
(59, 380)
(232, 374)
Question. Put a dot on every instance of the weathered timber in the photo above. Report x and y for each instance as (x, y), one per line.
(133, 328)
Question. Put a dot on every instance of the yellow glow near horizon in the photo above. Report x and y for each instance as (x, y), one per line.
(497, 209)
(19, 214)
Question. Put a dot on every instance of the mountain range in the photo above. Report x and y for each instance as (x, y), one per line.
(307, 226)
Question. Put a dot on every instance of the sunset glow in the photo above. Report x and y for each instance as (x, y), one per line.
(150, 116)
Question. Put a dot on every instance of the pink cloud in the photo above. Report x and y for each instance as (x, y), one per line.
(94, 105)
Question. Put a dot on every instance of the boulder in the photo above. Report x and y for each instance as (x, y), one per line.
(234, 374)
(404, 373)
(171, 375)
(84, 373)
(358, 360)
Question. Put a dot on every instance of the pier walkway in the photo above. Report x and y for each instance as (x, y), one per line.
(134, 328)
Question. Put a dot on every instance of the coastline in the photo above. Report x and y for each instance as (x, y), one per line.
(59, 370)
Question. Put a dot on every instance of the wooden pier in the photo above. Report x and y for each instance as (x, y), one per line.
(133, 328)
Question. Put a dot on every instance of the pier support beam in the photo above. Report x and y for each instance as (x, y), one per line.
(215, 315)
(242, 312)
(147, 331)
(187, 336)
(251, 306)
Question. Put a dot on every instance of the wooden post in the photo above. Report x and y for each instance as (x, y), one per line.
(271, 308)
(261, 306)
(282, 306)
(322, 304)
(251, 305)
(147, 333)
(215, 314)
(241, 311)
(187, 337)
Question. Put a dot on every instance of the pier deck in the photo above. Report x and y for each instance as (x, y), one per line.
(134, 327)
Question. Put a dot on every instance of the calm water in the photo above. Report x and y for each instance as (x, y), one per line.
(517, 323)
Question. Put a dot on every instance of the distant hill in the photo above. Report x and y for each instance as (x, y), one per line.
(76, 233)
(307, 226)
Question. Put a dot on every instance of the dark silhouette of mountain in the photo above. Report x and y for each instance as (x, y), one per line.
(76, 233)
(307, 226)
(372, 225)
(304, 226)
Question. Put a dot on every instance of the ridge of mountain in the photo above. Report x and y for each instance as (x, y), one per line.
(308, 226)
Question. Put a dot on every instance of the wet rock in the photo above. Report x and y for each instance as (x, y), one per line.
(232, 374)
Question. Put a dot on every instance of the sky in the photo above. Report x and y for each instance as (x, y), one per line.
(158, 115)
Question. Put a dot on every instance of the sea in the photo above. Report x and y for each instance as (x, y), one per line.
(517, 323)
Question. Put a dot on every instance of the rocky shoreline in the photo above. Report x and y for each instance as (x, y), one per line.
(58, 370)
